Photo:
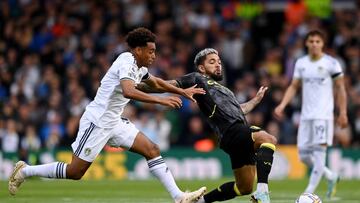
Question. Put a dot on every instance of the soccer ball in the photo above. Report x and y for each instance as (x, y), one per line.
(308, 198)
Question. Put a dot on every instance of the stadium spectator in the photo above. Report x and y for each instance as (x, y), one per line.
(162, 128)
(295, 12)
(31, 141)
(10, 138)
(196, 130)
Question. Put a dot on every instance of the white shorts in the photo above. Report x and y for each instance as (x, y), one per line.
(315, 132)
(91, 139)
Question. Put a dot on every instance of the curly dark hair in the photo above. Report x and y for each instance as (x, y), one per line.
(139, 37)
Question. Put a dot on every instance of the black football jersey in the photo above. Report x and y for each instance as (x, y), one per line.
(219, 104)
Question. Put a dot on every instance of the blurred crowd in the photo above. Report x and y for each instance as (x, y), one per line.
(53, 54)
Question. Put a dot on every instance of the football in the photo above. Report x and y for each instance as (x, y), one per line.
(308, 198)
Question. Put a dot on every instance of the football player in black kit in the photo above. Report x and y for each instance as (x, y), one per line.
(250, 148)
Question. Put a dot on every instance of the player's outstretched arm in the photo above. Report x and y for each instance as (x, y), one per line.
(250, 105)
(158, 85)
(130, 92)
(144, 87)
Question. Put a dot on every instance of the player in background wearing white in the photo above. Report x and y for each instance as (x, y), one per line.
(317, 73)
(102, 123)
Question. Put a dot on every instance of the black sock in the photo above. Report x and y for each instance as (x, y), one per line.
(264, 159)
(224, 192)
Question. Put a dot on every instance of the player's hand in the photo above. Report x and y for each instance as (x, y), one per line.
(279, 112)
(260, 94)
(171, 101)
(342, 120)
(189, 92)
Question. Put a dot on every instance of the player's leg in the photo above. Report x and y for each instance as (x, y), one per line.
(126, 135)
(319, 169)
(86, 147)
(239, 144)
(306, 152)
(59, 170)
(142, 145)
(313, 151)
(88, 144)
(264, 144)
(243, 185)
(324, 134)
(304, 138)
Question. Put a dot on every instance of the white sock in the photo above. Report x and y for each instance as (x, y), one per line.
(262, 187)
(319, 155)
(52, 170)
(160, 170)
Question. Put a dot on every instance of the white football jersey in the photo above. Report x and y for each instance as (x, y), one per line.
(109, 103)
(317, 86)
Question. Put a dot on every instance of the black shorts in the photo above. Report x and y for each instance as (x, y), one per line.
(237, 142)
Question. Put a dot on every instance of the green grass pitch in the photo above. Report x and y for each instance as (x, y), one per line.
(127, 191)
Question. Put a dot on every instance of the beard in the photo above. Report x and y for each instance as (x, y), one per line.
(216, 77)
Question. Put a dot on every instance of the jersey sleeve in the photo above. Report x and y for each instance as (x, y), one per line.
(125, 71)
(336, 69)
(187, 80)
(297, 74)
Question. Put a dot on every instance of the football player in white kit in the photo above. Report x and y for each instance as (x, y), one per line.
(317, 73)
(102, 123)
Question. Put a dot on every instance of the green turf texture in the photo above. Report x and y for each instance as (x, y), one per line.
(127, 191)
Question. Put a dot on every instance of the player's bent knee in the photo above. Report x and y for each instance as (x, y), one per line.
(272, 139)
(264, 137)
(153, 151)
(268, 138)
(244, 190)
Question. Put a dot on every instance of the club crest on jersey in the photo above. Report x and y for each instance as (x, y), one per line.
(87, 151)
(131, 75)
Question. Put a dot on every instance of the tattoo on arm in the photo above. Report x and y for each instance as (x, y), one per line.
(248, 106)
(149, 89)
(146, 88)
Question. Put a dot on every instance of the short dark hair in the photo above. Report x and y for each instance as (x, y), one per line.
(315, 33)
(139, 37)
(201, 55)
